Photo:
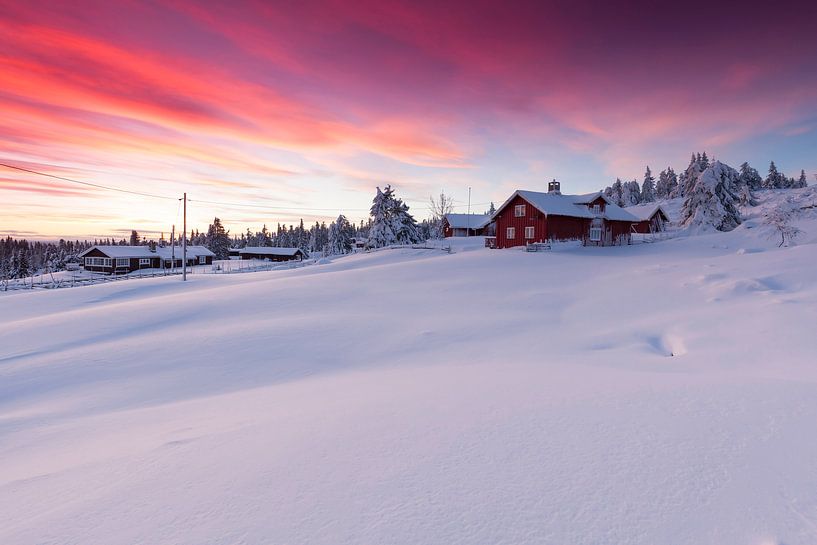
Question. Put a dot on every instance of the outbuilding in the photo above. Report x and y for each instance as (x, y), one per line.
(462, 225)
(272, 254)
(652, 218)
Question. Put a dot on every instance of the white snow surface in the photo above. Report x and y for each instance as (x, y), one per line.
(648, 394)
(468, 221)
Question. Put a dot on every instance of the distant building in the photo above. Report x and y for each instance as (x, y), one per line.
(125, 259)
(461, 225)
(533, 216)
(652, 218)
(272, 254)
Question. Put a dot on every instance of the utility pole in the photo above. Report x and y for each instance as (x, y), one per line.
(468, 216)
(173, 248)
(184, 242)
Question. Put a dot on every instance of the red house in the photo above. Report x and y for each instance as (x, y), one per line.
(652, 218)
(532, 216)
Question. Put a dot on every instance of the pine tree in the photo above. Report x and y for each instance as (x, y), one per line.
(381, 233)
(667, 182)
(491, 209)
(617, 192)
(648, 187)
(134, 238)
(774, 180)
(689, 176)
(802, 181)
(340, 240)
(749, 177)
(217, 240)
(711, 199)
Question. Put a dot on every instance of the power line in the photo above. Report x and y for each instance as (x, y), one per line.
(202, 201)
(98, 186)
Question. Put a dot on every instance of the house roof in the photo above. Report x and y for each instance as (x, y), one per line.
(166, 252)
(575, 206)
(468, 221)
(144, 251)
(646, 211)
(268, 250)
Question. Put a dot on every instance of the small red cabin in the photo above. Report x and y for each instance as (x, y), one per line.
(652, 218)
(531, 216)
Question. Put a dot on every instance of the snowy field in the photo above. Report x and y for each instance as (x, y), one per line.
(660, 393)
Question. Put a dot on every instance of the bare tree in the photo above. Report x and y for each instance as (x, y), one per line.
(439, 209)
(779, 219)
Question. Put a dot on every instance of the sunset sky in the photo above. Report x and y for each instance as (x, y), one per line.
(299, 109)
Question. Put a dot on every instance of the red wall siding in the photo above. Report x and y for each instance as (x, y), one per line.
(506, 218)
(568, 228)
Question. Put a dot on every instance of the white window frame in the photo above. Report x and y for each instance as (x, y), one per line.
(597, 231)
(122, 262)
(519, 211)
(530, 232)
(144, 261)
(510, 233)
(202, 260)
(97, 261)
(597, 209)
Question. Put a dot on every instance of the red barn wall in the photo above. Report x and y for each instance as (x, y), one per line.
(532, 217)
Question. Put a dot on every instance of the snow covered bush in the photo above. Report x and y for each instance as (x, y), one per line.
(711, 199)
(780, 220)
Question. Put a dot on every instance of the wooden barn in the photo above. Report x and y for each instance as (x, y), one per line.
(126, 259)
(652, 218)
(462, 225)
(272, 254)
(535, 217)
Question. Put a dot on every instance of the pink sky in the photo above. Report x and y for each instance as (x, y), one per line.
(301, 108)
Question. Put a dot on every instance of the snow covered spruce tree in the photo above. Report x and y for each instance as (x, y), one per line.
(711, 199)
(667, 183)
(648, 187)
(749, 177)
(774, 180)
(340, 238)
(697, 164)
(217, 240)
(801, 181)
(391, 221)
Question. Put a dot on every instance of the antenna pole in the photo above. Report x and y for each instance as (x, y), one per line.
(184, 242)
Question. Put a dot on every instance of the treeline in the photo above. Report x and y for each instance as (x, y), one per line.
(20, 258)
(670, 185)
(389, 223)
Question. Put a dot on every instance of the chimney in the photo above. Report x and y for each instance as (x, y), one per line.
(554, 187)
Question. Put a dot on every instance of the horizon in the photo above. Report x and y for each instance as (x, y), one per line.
(279, 113)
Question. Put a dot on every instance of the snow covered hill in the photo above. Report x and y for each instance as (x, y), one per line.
(654, 393)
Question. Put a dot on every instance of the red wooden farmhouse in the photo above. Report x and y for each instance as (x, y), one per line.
(530, 216)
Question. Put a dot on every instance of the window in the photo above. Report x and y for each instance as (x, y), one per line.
(597, 209)
(519, 211)
(529, 232)
(122, 262)
(595, 234)
(202, 260)
(97, 261)
(510, 233)
(144, 261)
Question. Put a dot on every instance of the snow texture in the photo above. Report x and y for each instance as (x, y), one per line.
(645, 394)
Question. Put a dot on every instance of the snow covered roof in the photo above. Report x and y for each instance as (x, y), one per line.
(144, 251)
(268, 250)
(646, 210)
(468, 221)
(574, 206)
(166, 252)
